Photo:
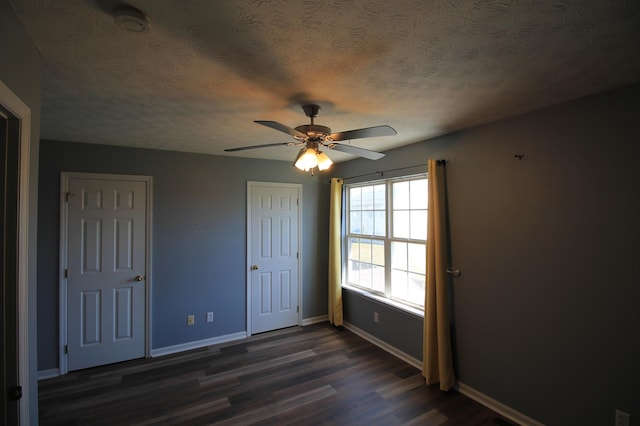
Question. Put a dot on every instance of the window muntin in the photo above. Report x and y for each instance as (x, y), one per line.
(386, 238)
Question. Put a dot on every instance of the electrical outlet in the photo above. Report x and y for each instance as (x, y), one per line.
(209, 316)
(376, 317)
(191, 319)
(622, 418)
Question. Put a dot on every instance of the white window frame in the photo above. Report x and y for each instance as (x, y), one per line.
(386, 296)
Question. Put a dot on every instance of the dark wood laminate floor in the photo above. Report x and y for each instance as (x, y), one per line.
(300, 376)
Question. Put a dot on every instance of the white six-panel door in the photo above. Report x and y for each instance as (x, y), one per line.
(106, 267)
(273, 240)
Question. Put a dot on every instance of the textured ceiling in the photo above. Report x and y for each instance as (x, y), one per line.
(206, 69)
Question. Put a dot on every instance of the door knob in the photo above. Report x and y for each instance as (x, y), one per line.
(255, 267)
(139, 277)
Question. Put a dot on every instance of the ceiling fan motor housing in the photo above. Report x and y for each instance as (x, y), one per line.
(314, 131)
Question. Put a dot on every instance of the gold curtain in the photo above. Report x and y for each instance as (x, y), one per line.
(437, 363)
(335, 253)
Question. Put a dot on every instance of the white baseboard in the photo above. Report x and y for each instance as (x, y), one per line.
(496, 406)
(48, 374)
(314, 320)
(167, 350)
(387, 347)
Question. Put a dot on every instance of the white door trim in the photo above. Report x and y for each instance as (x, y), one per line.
(250, 186)
(21, 111)
(64, 188)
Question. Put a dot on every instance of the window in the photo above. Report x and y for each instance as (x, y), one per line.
(386, 237)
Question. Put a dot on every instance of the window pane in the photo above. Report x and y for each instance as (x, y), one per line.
(378, 278)
(355, 197)
(419, 224)
(377, 252)
(399, 255)
(401, 224)
(365, 275)
(353, 273)
(400, 195)
(379, 197)
(365, 250)
(415, 289)
(367, 222)
(399, 284)
(354, 249)
(418, 190)
(379, 220)
(367, 198)
(417, 258)
(355, 222)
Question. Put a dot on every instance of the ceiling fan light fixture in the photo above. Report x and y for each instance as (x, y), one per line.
(295, 160)
(307, 159)
(324, 162)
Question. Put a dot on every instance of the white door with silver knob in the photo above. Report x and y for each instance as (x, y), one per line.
(106, 265)
(273, 242)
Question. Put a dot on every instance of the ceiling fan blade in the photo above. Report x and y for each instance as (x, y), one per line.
(367, 132)
(282, 128)
(360, 152)
(258, 146)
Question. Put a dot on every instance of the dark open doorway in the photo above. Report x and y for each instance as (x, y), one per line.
(9, 181)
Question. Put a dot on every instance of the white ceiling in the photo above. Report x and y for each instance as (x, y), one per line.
(196, 81)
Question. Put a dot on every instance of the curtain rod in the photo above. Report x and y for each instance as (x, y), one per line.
(381, 173)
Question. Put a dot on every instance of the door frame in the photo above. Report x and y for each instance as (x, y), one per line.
(250, 186)
(22, 112)
(64, 231)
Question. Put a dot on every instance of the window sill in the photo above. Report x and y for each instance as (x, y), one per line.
(397, 305)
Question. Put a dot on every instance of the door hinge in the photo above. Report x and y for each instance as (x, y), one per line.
(66, 273)
(15, 393)
(297, 255)
(298, 308)
(297, 201)
(66, 349)
(67, 196)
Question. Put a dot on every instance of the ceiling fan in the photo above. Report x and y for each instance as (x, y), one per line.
(313, 136)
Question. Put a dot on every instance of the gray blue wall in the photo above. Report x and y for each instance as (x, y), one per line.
(21, 71)
(547, 310)
(199, 234)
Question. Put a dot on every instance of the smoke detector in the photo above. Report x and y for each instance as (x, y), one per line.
(131, 19)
